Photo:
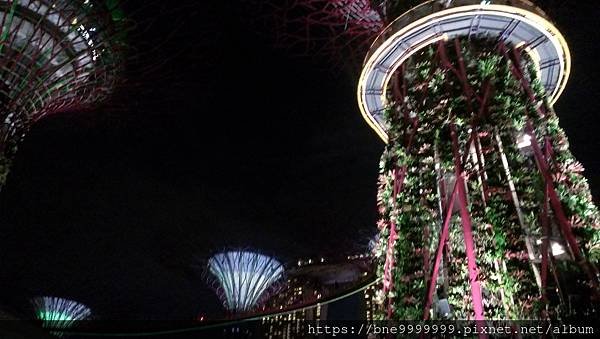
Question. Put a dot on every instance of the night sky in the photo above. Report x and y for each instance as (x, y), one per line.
(229, 142)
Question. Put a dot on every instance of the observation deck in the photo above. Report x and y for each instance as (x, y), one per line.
(515, 22)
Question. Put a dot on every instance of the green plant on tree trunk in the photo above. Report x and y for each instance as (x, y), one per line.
(469, 85)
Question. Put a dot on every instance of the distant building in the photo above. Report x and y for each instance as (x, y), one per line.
(370, 306)
(312, 281)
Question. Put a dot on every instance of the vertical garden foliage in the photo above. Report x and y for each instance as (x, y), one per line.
(489, 110)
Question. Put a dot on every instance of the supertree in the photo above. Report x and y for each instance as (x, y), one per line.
(59, 313)
(54, 56)
(242, 278)
(338, 29)
(485, 213)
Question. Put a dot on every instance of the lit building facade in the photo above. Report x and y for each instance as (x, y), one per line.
(370, 304)
(290, 325)
(312, 281)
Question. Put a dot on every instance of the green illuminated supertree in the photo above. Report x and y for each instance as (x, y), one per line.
(54, 56)
(485, 213)
(59, 313)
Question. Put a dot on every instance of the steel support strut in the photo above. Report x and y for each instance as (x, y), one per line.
(399, 175)
(544, 168)
(459, 194)
(559, 213)
(467, 230)
(389, 260)
(545, 242)
(439, 252)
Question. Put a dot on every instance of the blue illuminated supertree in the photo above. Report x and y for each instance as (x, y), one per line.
(59, 313)
(243, 278)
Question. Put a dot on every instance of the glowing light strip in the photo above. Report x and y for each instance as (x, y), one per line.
(530, 18)
(533, 52)
(229, 322)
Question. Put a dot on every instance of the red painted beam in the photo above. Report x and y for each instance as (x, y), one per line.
(468, 232)
(559, 212)
(439, 252)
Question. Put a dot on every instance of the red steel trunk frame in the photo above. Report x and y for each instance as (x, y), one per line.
(459, 195)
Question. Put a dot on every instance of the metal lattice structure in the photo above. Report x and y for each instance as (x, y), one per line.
(338, 29)
(484, 210)
(59, 313)
(54, 56)
(341, 30)
(243, 279)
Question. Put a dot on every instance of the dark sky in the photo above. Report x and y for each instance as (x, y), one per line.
(232, 142)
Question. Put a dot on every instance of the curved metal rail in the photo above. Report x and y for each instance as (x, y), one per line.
(516, 22)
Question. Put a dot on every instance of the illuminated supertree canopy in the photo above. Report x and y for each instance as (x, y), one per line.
(340, 29)
(59, 313)
(54, 56)
(483, 206)
(243, 278)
